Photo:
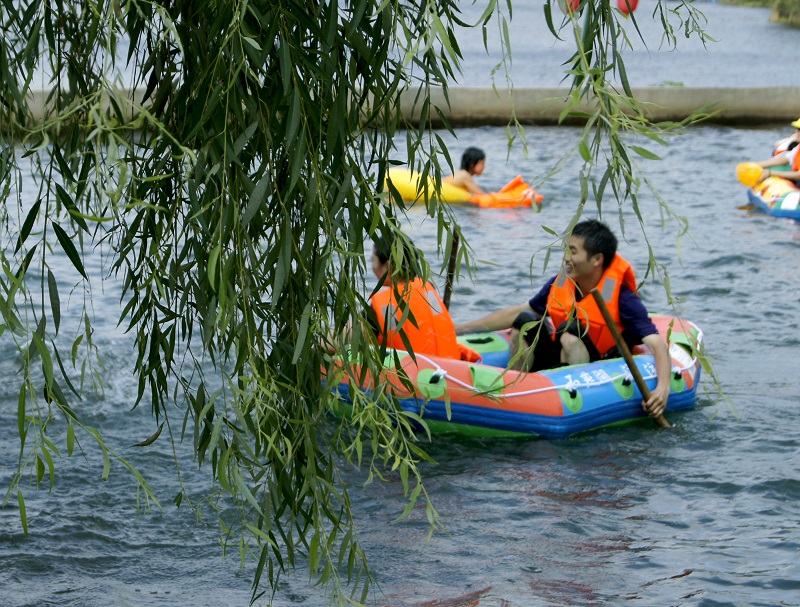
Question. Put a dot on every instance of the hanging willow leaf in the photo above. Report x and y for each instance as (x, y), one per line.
(150, 439)
(69, 249)
(27, 225)
(55, 300)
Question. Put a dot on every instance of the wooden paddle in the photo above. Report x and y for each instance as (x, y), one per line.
(451, 271)
(626, 353)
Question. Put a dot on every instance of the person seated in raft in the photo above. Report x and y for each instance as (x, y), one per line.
(581, 334)
(790, 142)
(428, 326)
(790, 157)
(473, 161)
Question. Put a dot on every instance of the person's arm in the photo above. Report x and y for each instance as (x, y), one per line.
(499, 319)
(329, 342)
(465, 181)
(503, 319)
(790, 175)
(779, 160)
(471, 185)
(773, 161)
(657, 402)
(634, 317)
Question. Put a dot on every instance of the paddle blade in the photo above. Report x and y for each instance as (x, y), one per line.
(748, 173)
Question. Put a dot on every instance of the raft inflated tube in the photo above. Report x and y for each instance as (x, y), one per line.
(407, 184)
(516, 193)
(777, 196)
(485, 400)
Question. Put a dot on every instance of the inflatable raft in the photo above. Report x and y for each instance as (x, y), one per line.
(777, 196)
(483, 399)
(516, 193)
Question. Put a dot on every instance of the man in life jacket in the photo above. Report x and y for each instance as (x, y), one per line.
(562, 324)
(790, 158)
(408, 311)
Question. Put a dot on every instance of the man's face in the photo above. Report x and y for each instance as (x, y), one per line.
(577, 262)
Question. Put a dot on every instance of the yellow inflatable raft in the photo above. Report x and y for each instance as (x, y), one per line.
(516, 193)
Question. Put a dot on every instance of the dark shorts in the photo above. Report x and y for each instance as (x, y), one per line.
(547, 351)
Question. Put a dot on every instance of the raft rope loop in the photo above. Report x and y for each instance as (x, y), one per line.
(572, 385)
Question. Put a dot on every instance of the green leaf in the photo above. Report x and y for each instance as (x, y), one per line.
(302, 335)
(21, 401)
(244, 490)
(70, 438)
(645, 153)
(106, 463)
(256, 198)
(23, 513)
(69, 249)
(252, 43)
(27, 225)
(213, 265)
(583, 148)
(47, 361)
(150, 439)
(69, 204)
(55, 301)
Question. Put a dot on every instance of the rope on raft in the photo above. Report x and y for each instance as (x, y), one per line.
(571, 386)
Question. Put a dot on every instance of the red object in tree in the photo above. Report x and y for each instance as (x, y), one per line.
(627, 6)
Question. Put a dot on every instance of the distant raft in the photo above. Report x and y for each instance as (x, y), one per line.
(516, 193)
(484, 399)
(777, 196)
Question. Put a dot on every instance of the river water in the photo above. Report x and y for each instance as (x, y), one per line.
(747, 49)
(704, 514)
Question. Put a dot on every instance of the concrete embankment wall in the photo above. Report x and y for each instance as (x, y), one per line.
(475, 106)
(485, 106)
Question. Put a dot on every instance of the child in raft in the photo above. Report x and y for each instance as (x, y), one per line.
(473, 161)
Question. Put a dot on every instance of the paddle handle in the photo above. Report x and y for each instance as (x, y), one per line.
(626, 353)
(451, 271)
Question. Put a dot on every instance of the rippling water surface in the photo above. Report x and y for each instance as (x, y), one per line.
(703, 514)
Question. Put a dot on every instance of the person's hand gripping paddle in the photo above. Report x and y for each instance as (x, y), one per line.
(626, 353)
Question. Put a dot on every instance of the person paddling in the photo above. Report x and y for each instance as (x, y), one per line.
(578, 332)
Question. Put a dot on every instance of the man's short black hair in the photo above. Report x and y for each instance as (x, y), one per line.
(597, 238)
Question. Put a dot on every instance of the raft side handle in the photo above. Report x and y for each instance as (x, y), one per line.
(438, 375)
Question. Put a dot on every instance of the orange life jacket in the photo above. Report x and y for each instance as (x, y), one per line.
(561, 303)
(428, 326)
(796, 160)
